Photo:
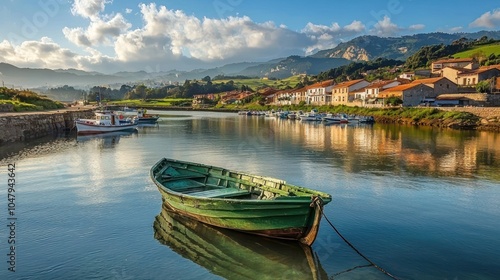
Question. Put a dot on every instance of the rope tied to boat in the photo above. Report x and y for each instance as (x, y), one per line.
(316, 201)
(357, 251)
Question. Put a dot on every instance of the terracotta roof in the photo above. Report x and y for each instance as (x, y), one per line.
(428, 80)
(358, 90)
(401, 87)
(454, 60)
(302, 89)
(268, 91)
(381, 84)
(348, 83)
(322, 84)
(479, 70)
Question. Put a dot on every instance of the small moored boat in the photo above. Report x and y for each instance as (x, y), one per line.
(239, 201)
(105, 121)
(143, 118)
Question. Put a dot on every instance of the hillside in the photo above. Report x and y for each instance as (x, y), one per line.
(484, 50)
(294, 65)
(368, 47)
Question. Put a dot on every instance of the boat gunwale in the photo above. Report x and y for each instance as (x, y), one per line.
(279, 199)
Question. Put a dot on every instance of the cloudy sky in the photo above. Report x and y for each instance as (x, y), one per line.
(113, 35)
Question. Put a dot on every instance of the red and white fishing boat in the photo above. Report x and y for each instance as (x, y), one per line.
(105, 121)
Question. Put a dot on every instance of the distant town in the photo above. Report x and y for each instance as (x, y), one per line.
(449, 82)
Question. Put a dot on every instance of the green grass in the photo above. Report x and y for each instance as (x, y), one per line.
(415, 114)
(483, 50)
(150, 102)
(26, 100)
(21, 106)
(256, 84)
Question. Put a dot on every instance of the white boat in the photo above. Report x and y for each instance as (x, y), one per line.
(105, 121)
(311, 116)
(334, 118)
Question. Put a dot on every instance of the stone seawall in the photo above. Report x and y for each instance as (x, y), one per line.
(26, 126)
(483, 112)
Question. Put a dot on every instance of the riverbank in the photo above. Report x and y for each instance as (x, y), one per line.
(488, 119)
(21, 126)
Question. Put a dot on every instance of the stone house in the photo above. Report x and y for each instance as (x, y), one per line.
(298, 95)
(342, 93)
(440, 85)
(466, 63)
(319, 93)
(466, 77)
(411, 94)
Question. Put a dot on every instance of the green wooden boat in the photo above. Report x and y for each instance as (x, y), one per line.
(239, 201)
(235, 255)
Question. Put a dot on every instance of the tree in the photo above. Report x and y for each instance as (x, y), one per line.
(483, 86)
(394, 101)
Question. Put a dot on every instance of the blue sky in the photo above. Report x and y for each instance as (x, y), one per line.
(112, 35)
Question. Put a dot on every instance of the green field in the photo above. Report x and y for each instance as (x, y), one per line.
(151, 102)
(484, 50)
(256, 84)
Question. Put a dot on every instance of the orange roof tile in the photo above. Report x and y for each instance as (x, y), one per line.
(381, 84)
(348, 83)
(427, 81)
(322, 84)
(401, 87)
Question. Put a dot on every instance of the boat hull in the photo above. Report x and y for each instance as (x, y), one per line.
(147, 120)
(284, 217)
(87, 127)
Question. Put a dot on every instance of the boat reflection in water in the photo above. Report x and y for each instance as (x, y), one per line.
(236, 255)
(105, 140)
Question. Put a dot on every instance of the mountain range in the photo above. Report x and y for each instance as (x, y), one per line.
(363, 48)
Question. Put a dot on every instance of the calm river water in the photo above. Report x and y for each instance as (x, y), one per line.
(421, 203)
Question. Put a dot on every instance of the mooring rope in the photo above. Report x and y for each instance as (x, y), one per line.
(357, 251)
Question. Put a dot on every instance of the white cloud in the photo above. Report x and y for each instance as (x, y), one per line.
(173, 39)
(356, 26)
(43, 53)
(89, 8)
(488, 20)
(128, 11)
(416, 27)
(170, 33)
(386, 28)
(327, 37)
(99, 31)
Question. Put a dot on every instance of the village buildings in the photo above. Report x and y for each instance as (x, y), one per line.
(450, 77)
(411, 94)
(343, 93)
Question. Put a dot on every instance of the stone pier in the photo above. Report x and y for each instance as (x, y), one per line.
(32, 125)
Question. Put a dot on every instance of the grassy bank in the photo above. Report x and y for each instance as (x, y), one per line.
(25, 100)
